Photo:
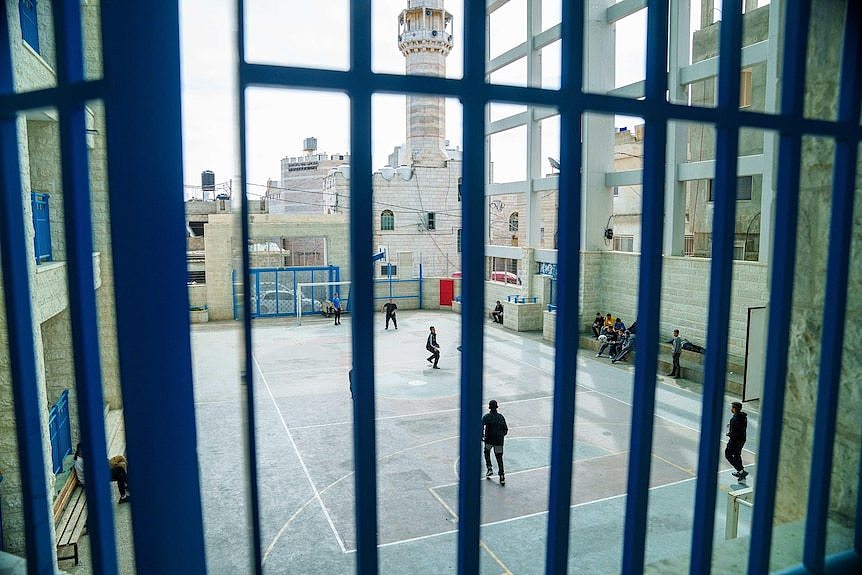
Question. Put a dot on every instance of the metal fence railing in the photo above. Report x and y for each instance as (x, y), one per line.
(60, 428)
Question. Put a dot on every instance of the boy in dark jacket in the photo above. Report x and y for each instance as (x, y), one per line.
(494, 429)
(736, 434)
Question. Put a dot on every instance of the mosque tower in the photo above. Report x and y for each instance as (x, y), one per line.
(425, 39)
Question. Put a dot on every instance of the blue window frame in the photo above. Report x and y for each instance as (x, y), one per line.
(144, 115)
(29, 18)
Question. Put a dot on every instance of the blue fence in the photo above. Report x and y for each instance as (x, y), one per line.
(390, 285)
(41, 226)
(274, 292)
(60, 428)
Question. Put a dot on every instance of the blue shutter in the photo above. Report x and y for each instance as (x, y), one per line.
(29, 22)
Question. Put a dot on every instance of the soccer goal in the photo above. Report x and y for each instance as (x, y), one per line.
(320, 300)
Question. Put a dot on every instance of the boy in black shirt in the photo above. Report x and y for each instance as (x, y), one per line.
(390, 308)
(494, 429)
(736, 432)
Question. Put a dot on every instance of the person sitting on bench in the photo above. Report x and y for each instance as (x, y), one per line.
(598, 324)
(610, 340)
(497, 314)
(116, 464)
(628, 344)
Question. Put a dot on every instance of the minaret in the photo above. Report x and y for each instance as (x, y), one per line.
(425, 39)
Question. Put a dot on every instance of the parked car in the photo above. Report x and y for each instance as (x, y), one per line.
(505, 277)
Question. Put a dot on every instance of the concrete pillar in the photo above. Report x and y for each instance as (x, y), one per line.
(598, 130)
(770, 139)
(678, 56)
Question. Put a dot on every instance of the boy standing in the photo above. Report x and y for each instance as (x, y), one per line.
(736, 433)
(494, 429)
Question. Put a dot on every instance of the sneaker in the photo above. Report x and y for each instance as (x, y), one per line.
(742, 475)
(598, 355)
(490, 472)
(435, 367)
(124, 499)
(502, 480)
(735, 473)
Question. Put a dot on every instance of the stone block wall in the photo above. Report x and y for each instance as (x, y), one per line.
(222, 255)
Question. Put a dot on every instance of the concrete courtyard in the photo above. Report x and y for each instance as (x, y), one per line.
(305, 469)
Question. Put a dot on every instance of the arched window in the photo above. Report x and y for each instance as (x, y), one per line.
(387, 220)
(513, 222)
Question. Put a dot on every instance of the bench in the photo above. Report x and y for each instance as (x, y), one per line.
(70, 505)
(70, 517)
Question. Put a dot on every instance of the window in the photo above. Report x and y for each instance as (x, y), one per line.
(432, 221)
(624, 243)
(513, 222)
(29, 22)
(739, 250)
(384, 269)
(688, 248)
(616, 191)
(197, 277)
(744, 185)
(197, 229)
(459, 240)
(459, 189)
(387, 220)
(745, 88)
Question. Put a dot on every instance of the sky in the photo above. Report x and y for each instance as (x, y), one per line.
(315, 33)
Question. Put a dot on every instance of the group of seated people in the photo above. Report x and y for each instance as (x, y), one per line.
(613, 336)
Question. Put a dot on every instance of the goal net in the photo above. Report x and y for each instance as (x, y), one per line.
(316, 298)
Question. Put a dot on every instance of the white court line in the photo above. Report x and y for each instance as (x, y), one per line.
(529, 515)
(299, 456)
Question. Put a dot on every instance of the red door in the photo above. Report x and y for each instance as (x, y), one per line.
(447, 291)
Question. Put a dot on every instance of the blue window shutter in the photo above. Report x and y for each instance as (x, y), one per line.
(29, 22)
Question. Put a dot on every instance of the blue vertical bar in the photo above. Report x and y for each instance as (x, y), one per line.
(250, 437)
(649, 289)
(568, 266)
(473, 100)
(142, 81)
(837, 279)
(19, 322)
(720, 282)
(782, 278)
(362, 290)
(82, 297)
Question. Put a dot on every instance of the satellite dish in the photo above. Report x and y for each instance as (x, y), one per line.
(554, 163)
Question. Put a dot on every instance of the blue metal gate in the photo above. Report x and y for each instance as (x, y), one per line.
(274, 291)
(61, 432)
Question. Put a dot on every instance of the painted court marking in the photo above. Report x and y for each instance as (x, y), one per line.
(299, 457)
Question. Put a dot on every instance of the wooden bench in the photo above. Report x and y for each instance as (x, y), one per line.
(70, 505)
(70, 517)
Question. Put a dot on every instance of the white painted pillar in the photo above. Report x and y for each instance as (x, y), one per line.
(533, 219)
(770, 139)
(597, 130)
(674, 199)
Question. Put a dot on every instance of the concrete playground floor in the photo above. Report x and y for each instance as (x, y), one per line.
(304, 446)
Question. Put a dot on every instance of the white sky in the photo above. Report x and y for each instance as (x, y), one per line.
(316, 33)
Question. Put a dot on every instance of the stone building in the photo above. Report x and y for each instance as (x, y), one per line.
(34, 65)
(302, 181)
(416, 202)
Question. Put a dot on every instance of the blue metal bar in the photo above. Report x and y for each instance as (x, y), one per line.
(82, 297)
(143, 117)
(266, 75)
(362, 290)
(28, 405)
(252, 490)
(568, 268)
(720, 283)
(420, 286)
(649, 291)
(783, 276)
(837, 280)
(473, 101)
(76, 93)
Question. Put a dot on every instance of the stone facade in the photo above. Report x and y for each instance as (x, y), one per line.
(223, 255)
(39, 153)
